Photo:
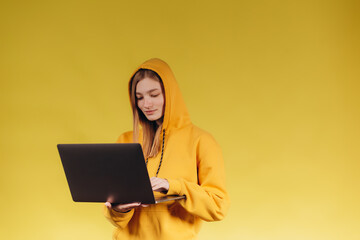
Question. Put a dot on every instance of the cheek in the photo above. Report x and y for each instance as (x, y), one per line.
(140, 104)
(160, 102)
(162, 99)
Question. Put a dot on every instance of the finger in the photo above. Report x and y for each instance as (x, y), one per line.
(108, 205)
(162, 186)
(123, 207)
(159, 184)
(158, 189)
(155, 186)
(154, 181)
(157, 181)
(129, 205)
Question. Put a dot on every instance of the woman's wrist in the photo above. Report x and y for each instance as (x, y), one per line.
(119, 211)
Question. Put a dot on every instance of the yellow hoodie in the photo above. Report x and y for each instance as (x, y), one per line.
(192, 164)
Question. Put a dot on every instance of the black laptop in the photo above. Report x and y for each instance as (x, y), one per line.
(111, 172)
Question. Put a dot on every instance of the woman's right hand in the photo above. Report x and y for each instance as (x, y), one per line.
(123, 207)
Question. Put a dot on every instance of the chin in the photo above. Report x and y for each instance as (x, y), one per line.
(152, 118)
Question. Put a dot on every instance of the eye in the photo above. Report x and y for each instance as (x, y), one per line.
(139, 98)
(154, 95)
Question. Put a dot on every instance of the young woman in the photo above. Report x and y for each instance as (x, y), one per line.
(181, 159)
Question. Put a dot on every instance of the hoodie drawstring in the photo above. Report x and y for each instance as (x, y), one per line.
(162, 154)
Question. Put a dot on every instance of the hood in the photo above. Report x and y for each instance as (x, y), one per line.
(175, 114)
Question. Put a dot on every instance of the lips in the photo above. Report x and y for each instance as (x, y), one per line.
(150, 112)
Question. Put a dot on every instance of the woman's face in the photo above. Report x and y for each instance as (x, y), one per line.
(150, 98)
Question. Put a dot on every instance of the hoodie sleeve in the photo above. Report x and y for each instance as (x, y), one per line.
(207, 199)
(116, 218)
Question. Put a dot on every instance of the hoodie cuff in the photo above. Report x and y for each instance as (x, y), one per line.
(174, 187)
(117, 216)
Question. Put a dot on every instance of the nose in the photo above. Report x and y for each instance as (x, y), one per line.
(147, 102)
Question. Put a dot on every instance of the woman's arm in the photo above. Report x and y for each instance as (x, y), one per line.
(120, 215)
(118, 219)
(207, 199)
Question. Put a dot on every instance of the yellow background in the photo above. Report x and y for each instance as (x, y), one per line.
(276, 83)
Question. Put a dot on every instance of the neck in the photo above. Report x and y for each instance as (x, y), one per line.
(159, 121)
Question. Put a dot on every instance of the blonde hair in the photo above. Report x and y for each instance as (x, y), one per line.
(151, 131)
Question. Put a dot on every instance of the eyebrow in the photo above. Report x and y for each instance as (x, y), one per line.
(150, 91)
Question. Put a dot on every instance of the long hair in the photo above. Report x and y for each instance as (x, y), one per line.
(151, 131)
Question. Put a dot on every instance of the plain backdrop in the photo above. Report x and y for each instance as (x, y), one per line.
(275, 81)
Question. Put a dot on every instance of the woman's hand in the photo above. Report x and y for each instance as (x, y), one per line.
(159, 184)
(124, 207)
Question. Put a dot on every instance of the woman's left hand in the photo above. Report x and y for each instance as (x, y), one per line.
(159, 184)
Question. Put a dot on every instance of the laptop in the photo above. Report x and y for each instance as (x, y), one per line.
(109, 172)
